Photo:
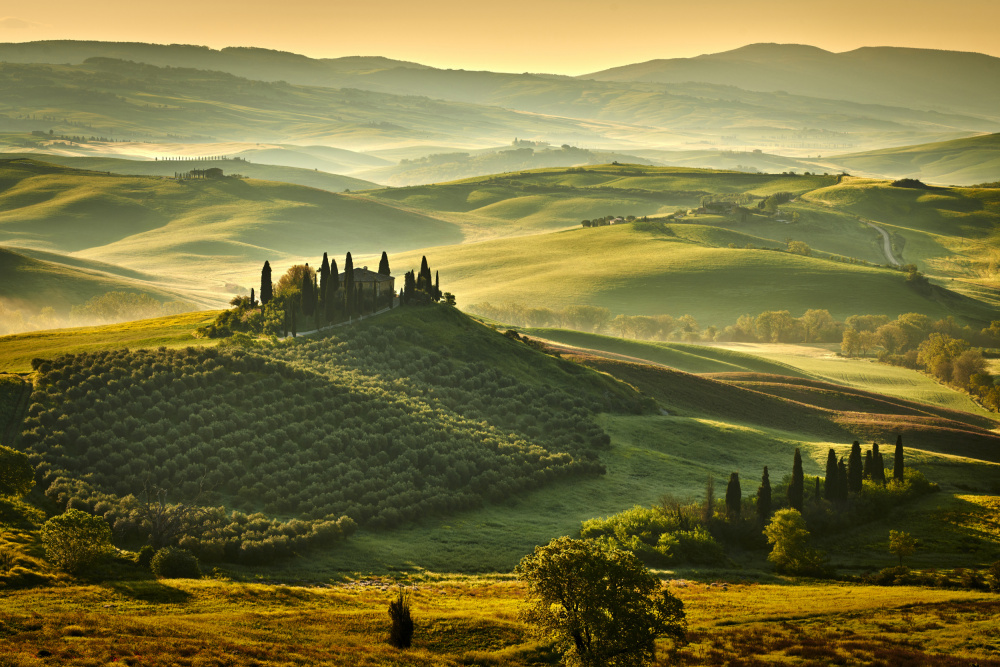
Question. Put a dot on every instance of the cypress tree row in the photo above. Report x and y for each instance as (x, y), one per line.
(897, 467)
(855, 472)
(764, 498)
(831, 482)
(797, 488)
(383, 265)
(266, 288)
(734, 496)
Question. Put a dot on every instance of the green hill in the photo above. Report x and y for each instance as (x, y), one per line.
(959, 162)
(266, 172)
(28, 286)
(212, 231)
(632, 271)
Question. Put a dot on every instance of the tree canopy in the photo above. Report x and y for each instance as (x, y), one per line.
(601, 606)
(17, 475)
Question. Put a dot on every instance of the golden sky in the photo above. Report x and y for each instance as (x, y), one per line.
(561, 36)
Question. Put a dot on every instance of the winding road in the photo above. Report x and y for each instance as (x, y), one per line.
(887, 244)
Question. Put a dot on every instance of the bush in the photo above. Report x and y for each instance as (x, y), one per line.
(145, 558)
(17, 475)
(174, 563)
(401, 632)
(75, 539)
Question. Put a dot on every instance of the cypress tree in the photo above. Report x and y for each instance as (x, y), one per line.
(734, 496)
(816, 494)
(832, 480)
(842, 481)
(897, 465)
(424, 279)
(252, 301)
(437, 286)
(797, 487)
(307, 294)
(855, 472)
(324, 282)
(266, 288)
(868, 469)
(332, 287)
(383, 265)
(349, 285)
(878, 473)
(880, 469)
(293, 322)
(764, 498)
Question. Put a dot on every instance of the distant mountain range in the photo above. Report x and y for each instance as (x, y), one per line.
(782, 98)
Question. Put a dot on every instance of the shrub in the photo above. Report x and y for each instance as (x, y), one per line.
(17, 475)
(174, 563)
(75, 539)
(145, 558)
(401, 631)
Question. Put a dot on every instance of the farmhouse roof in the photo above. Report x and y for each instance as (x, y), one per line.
(363, 275)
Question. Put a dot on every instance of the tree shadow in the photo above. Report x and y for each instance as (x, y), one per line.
(149, 591)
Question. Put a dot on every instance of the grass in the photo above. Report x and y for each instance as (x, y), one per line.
(682, 356)
(474, 622)
(868, 375)
(637, 272)
(17, 351)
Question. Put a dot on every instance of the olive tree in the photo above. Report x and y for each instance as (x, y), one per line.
(16, 474)
(75, 539)
(600, 606)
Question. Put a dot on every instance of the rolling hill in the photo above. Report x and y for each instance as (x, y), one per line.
(964, 161)
(918, 78)
(211, 230)
(168, 168)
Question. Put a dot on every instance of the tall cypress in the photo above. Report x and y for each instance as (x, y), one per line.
(816, 493)
(253, 302)
(897, 464)
(324, 282)
(842, 485)
(879, 468)
(869, 467)
(349, 285)
(855, 472)
(332, 287)
(734, 496)
(266, 288)
(383, 265)
(437, 286)
(831, 481)
(764, 498)
(797, 487)
(307, 294)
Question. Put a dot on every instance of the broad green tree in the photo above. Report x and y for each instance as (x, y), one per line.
(901, 544)
(75, 539)
(789, 540)
(600, 606)
(17, 476)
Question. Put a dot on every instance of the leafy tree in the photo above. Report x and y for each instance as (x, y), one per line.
(175, 563)
(73, 540)
(600, 606)
(17, 476)
(851, 342)
(734, 496)
(855, 469)
(790, 551)
(383, 265)
(764, 498)
(266, 289)
(901, 544)
(892, 337)
(831, 480)
(897, 464)
(796, 489)
(815, 323)
(401, 630)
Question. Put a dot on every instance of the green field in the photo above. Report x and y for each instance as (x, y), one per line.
(17, 351)
(310, 178)
(636, 272)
